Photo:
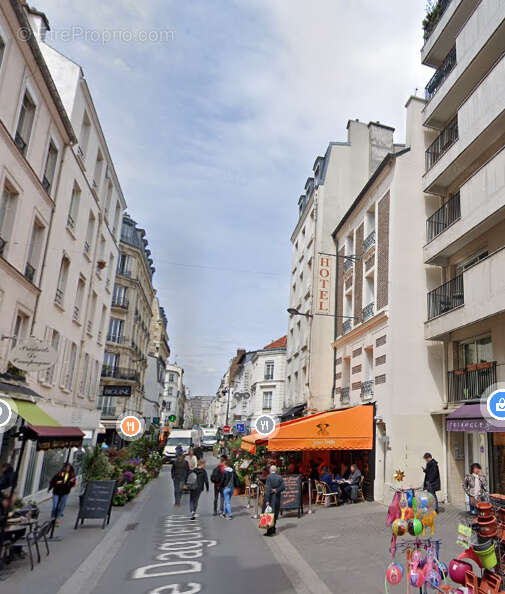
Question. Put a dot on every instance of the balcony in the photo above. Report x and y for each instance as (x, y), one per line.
(108, 412)
(117, 338)
(443, 27)
(472, 139)
(346, 326)
(369, 241)
(89, 327)
(445, 298)
(120, 302)
(76, 314)
(348, 264)
(368, 311)
(470, 383)
(444, 217)
(479, 296)
(29, 272)
(122, 373)
(70, 222)
(367, 389)
(441, 74)
(479, 45)
(124, 272)
(345, 394)
(58, 298)
(442, 143)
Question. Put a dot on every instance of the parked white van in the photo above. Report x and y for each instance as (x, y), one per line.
(209, 438)
(186, 438)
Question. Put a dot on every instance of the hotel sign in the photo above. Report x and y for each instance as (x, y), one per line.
(324, 284)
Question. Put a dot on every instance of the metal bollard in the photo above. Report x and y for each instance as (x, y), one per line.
(310, 496)
(257, 503)
(249, 496)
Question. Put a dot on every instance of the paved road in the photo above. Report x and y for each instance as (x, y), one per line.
(163, 552)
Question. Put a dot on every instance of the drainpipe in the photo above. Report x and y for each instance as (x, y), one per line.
(49, 229)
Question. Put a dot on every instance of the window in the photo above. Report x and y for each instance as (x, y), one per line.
(50, 373)
(102, 323)
(50, 168)
(170, 391)
(20, 328)
(269, 370)
(84, 375)
(93, 384)
(476, 350)
(123, 266)
(115, 330)
(7, 210)
(169, 406)
(471, 261)
(108, 198)
(92, 312)
(89, 234)
(119, 296)
(74, 207)
(84, 136)
(25, 123)
(35, 251)
(69, 365)
(267, 400)
(110, 360)
(2, 49)
(116, 218)
(79, 296)
(62, 281)
(97, 175)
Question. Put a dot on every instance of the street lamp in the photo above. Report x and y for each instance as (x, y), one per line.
(294, 312)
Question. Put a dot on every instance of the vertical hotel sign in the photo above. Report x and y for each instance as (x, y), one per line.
(324, 284)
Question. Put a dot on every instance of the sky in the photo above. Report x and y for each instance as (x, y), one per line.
(214, 112)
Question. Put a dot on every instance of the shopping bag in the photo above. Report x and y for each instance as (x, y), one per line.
(267, 519)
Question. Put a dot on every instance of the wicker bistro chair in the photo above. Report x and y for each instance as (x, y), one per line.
(329, 495)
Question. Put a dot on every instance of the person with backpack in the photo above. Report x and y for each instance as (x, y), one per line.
(197, 480)
(228, 485)
(217, 478)
(180, 469)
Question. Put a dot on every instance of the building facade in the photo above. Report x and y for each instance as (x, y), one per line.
(200, 409)
(464, 182)
(380, 353)
(337, 178)
(128, 334)
(174, 395)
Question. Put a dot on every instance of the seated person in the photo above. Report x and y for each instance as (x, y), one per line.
(346, 486)
(325, 476)
(344, 471)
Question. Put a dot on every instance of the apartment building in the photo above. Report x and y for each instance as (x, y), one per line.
(380, 352)
(153, 402)
(174, 394)
(35, 133)
(464, 182)
(337, 178)
(199, 407)
(128, 335)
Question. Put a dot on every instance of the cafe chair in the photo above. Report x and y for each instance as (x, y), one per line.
(360, 496)
(319, 492)
(328, 495)
(33, 538)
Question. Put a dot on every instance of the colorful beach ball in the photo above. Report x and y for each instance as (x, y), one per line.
(399, 527)
(415, 527)
(433, 577)
(416, 578)
(394, 574)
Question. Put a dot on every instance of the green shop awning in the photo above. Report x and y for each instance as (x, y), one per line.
(34, 415)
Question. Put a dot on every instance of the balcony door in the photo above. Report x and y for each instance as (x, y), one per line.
(110, 360)
(476, 350)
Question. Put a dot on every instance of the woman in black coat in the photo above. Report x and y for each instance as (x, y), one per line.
(273, 489)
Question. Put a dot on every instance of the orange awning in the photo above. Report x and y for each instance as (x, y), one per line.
(249, 442)
(350, 429)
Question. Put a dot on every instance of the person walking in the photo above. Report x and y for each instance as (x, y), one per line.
(202, 481)
(476, 487)
(228, 485)
(180, 470)
(8, 478)
(192, 459)
(61, 484)
(273, 489)
(217, 479)
(431, 477)
(198, 452)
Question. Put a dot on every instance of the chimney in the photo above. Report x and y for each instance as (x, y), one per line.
(380, 143)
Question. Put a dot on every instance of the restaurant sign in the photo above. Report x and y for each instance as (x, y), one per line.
(118, 391)
(55, 443)
(470, 425)
(32, 354)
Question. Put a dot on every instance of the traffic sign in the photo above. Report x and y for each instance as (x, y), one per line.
(226, 429)
(240, 427)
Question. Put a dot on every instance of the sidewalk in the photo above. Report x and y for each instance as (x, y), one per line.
(68, 551)
(348, 547)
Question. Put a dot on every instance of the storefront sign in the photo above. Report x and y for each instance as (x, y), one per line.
(55, 443)
(118, 391)
(31, 354)
(470, 425)
(324, 284)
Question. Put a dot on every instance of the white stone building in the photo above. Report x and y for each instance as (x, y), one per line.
(337, 178)
(465, 245)
(174, 394)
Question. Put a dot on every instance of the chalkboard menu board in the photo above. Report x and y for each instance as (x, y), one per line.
(291, 497)
(96, 502)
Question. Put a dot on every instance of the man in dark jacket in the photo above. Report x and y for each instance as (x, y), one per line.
(202, 481)
(8, 478)
(217, 477)
(431, 477)
(180, 469)
(273, 488)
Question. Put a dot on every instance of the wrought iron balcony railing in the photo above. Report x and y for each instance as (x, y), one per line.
(368, 311)
(121, 302)
(348, 263)
(441, 74)
(58, 298)
(444, 217)
(123, 373)
(367, 389)
(446, 297)
(442, 143)
(344, 394)
(472, 382)
(346, 326)
(369, 241)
